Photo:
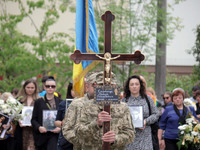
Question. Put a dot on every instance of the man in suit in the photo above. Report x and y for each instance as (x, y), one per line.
(45, 140)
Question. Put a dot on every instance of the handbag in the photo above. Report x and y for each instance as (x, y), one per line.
(154, 129)
(63, 143)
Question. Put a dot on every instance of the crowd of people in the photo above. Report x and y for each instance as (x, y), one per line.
(79, 122)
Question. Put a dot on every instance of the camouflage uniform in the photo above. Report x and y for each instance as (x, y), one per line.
(80, 123)
(71, 119)
(91, 133)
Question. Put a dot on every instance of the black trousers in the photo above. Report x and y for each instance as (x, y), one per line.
(170, 144)
(7, 144)
(51, 144)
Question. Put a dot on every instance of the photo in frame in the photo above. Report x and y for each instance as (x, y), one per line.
(27, 115)
(137, 116)
(4, 120)
(49, 117)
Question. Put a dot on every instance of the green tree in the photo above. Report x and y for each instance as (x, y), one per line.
(23, 56)
(134, 28)
(196, 52)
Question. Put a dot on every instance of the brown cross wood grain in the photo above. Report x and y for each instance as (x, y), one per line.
(77, 57)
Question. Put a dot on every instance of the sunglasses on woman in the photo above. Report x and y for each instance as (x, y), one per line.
(50, 86)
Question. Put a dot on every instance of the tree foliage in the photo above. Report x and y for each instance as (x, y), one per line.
(196, 52)
(134, 28)
(173, 81)
(23, 56)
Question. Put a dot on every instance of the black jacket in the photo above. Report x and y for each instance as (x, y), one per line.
(36, 121)
(198, 109)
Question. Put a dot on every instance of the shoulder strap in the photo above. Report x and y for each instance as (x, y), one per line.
(147, 100)
(47, 103)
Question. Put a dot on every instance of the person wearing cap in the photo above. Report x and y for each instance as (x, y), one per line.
(171, 118)
(71, 118)
(88, 127)
(43, 139)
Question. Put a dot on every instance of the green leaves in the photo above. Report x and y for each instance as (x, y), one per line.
(25, 56)
(196, 52)
(35, 4)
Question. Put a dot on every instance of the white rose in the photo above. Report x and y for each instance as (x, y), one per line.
(183, 127)
(1, 102)
(6, 111)
(4, 106)
(11, 100)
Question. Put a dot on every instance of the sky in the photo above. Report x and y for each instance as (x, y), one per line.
(177, 54)
(184, 40)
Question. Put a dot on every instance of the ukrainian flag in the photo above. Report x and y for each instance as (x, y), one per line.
(86, 42)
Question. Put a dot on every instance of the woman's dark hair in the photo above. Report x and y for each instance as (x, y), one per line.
(197, 93)
(168, 93)
(69, 88)
(45, 78)
(127, 92)
(15, 91)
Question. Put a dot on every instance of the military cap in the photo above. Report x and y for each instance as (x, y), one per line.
(97, 77)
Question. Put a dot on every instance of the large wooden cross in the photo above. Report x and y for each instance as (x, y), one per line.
(107, 57)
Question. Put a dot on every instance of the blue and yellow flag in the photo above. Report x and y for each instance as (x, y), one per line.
(86, 42)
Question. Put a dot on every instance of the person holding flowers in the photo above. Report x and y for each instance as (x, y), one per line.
(172, 117)
(10, 107)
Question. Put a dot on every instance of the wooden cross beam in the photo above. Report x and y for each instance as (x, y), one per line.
(107, 57)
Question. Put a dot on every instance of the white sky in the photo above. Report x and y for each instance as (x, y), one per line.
(189, 12)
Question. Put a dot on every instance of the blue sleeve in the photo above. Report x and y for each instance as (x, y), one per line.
(163, 119)
(42, 93)
(61, 111)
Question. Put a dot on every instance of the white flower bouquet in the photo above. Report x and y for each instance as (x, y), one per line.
(12, 108)
(188, 102)
(189, 134)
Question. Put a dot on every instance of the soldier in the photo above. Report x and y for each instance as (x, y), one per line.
(71, 118)
(91, 117)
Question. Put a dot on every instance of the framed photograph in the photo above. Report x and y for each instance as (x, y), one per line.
(137, 116)
(27, 115)
(4, 120)
(68, 102)
(49, 117)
